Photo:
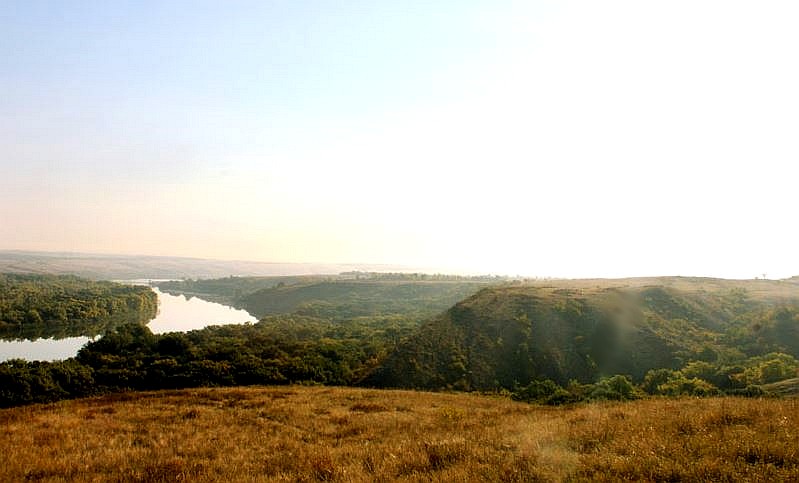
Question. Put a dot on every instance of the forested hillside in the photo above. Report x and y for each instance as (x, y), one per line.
(341, 297)
(229, 290)
(511, 335)
(34, 306)
(553, 342)
(323, 331)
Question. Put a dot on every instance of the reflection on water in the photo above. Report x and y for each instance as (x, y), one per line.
(176, 313)
(41, 349)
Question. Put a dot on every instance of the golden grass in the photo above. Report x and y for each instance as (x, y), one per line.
(343, 434)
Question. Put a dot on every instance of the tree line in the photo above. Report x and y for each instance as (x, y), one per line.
(33, 306)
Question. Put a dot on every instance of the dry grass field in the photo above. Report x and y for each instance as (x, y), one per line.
(342, 434)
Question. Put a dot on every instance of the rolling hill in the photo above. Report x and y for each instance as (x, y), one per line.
(584, 329)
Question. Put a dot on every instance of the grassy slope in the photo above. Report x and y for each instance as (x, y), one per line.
(337, 434)
(775, 290)
(789, 387)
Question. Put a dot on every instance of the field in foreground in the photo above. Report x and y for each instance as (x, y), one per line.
(342, 434)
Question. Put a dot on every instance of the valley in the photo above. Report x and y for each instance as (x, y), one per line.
(411, 377)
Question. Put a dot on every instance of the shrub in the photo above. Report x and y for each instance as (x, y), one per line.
(655, 378)
(614, 388)
(683, 386)
(544, 392)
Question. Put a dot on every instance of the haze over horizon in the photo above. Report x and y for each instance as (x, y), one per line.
(564, 139)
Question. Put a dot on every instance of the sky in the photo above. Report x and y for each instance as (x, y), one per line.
(538, 138)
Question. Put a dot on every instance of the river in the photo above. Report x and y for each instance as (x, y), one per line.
(176, 313)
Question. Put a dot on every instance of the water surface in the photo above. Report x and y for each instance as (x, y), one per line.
(176, 313)
(41, 349)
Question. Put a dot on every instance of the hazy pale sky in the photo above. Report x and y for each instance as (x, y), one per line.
(552, 138)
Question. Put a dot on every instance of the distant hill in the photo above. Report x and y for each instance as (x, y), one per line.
(228, 290)
(126, 267)
(583, 329)
(346, 299)
(337, 297)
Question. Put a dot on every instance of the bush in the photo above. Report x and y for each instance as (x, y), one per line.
(656, 378)
(773, 367)
(23, 382)
(536, 391)
(544, 392)
(614, 388)
(683, 386)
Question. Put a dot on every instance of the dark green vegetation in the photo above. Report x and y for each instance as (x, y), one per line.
(229, 290)
(337, 332)
(555, 342)
(277, 350)
(33, 306)
(719, 332)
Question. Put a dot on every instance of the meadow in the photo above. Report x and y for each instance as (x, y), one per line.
(297, 433)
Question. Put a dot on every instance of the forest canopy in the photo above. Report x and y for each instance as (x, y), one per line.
(57, 306)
